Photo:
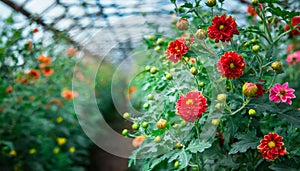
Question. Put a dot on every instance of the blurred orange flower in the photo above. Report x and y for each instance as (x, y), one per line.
(68, 94)
(22, 80)
(43, 65)
(9, 89)
(56, 101)
(44, 59)
(34, 74)
(47, 72)
(71, 51)
(137, 141)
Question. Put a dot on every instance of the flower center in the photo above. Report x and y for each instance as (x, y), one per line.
(271, 144)
(221, 27)
(189, 101)
(232, 66)
(177, 49)
(282, 92)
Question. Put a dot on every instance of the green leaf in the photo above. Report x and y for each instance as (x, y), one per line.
(187, 5)
(183, 158)
(156, 161)
(173, 1)
(292, 117)
(195, 147)
(246, 141)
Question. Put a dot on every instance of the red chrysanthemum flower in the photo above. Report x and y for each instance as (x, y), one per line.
(191, 106)
(34, 74)
(176, 50)
(271, 146)
(295, 21)
(251, 11)
(222, 28)
(260, 91)
(231, 65)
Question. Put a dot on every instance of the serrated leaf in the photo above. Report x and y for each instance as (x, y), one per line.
(184, 159)
(195, 147)
(158, 160)
(292, 117)
(246, 141)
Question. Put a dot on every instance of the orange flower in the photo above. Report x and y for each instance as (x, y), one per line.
(43, 65)
(251, 11)
(34, 74)
(68, 94)
(9, 89)
(44, 59)
(22, 80)
(56, 101)
(71, 51)
(137, 141)
(47, 72)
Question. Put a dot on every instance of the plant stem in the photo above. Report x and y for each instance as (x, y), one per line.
(263, 17)
(241, 108)
(273, 80)
(260, 63)
(197, 129)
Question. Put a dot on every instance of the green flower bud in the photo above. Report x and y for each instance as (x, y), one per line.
(182, 24)
(153, 70)
(157, 139)
(183, 123)
(254, 2)
(160, 42)
(249, 89)
(251, 112)
(178, 145)
(215, 122)
(157, 48)
(150, 97)
(201, 34)
(146, 105)
(221, 97)
(125, 132)
(169, 76)
(194, 71)
(276, 66)
(145, 124)
(211, 3)
(161, 124)
(151, 38)
(176, 164)
(255, 48)
(218, 106)
(201, 84)
(135, 126)
(147, 68)
(126, 115)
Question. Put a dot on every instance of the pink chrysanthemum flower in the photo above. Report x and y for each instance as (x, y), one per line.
(191, 106)
(282, 93)
(293, 58)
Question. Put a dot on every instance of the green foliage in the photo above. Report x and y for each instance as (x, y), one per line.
(39, 129)
(231, 144)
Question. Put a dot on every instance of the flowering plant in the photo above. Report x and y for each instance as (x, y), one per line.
(220, 95)
(39, 129)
